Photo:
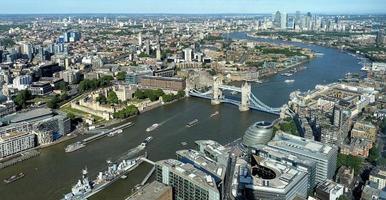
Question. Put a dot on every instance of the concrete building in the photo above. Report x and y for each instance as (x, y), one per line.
(323, 154)
(357, 147)
(188, 55)
(329, 190)
(304, 165)
(164, 83)
(203, 163)
(15, 142)
(7, 107)
(260, 133)
(274, 180)
(154, 191)
(364, 130)
(213, 150)
(40, 88)
(378, 178)
(187, 181)
(123, 92)
(22, 82)
(70, 76)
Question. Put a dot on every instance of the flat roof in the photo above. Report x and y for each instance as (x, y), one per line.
(302, 145)
(206, 163)
(152, 190)
(189, 172)
(32, 114)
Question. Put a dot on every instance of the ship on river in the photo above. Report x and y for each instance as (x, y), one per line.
(74, 147)
(14, 178)
(114, 133)
(152, 127)
(192, 123)
(85, 188)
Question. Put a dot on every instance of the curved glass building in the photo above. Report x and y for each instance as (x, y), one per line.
(260, 133)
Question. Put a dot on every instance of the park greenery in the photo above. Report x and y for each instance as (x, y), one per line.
(129, 111)
(373, 154)
(354, 162)
(7, 42)
(153, 95)
(172, 97)
(55, 101)
(22, 97)
(284, 51)
(288, 125)
(111, 98)
(87, 85)
(121, 76)
(143, 55)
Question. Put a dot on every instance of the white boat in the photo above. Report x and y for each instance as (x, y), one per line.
(289, 81)
(146, 141)
(214, 114)
(73, 147)
(152, 127)
(192, 123)
(287, 74)
(115, 132)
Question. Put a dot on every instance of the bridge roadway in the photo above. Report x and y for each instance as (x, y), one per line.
(255, 103)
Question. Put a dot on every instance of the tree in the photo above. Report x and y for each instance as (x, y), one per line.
(101, 99)
(121, 76)
(53, 102)
(63, 86)
(71, 116)
(342, 197)
(373, 154)
(22, 97)
(351, 161)
(112, 97)
(130, 110)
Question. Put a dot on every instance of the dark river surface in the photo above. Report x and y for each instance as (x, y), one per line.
(53, 173)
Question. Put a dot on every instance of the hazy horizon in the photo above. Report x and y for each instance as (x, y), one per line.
(191, 7)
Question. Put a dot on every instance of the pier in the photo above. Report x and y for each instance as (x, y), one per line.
(148, 176)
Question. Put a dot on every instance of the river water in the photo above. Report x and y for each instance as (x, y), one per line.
(52, 174)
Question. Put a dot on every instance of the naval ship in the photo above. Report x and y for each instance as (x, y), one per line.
(85, 188)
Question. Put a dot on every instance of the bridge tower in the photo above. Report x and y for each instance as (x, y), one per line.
(217, 93)
(245, 95)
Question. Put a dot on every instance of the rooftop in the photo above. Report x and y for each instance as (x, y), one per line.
(189, 172)
(152, 190)
(204, 162)
(213, 147)
(32, 114)
(11, 135)
(270, 174)
(299, 144)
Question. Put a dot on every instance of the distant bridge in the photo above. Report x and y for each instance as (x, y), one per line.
(248, 100)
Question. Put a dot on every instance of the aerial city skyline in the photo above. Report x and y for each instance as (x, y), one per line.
(193, 100)
(192, 7)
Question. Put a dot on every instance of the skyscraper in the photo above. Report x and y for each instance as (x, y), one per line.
(283, 20)
(277, 19)
(380, 38)
(139, 39)
(188, 55)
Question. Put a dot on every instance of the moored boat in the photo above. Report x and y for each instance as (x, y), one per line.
(14, 178)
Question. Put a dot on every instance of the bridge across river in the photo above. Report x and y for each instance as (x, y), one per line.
(248, 100)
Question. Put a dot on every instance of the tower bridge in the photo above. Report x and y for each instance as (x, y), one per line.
(248, 100)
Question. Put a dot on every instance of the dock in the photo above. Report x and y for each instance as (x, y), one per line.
(148, 176)
(105, 133)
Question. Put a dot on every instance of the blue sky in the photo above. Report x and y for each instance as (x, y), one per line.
(191, 6)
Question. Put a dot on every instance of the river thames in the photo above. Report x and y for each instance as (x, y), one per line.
(53, 173)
